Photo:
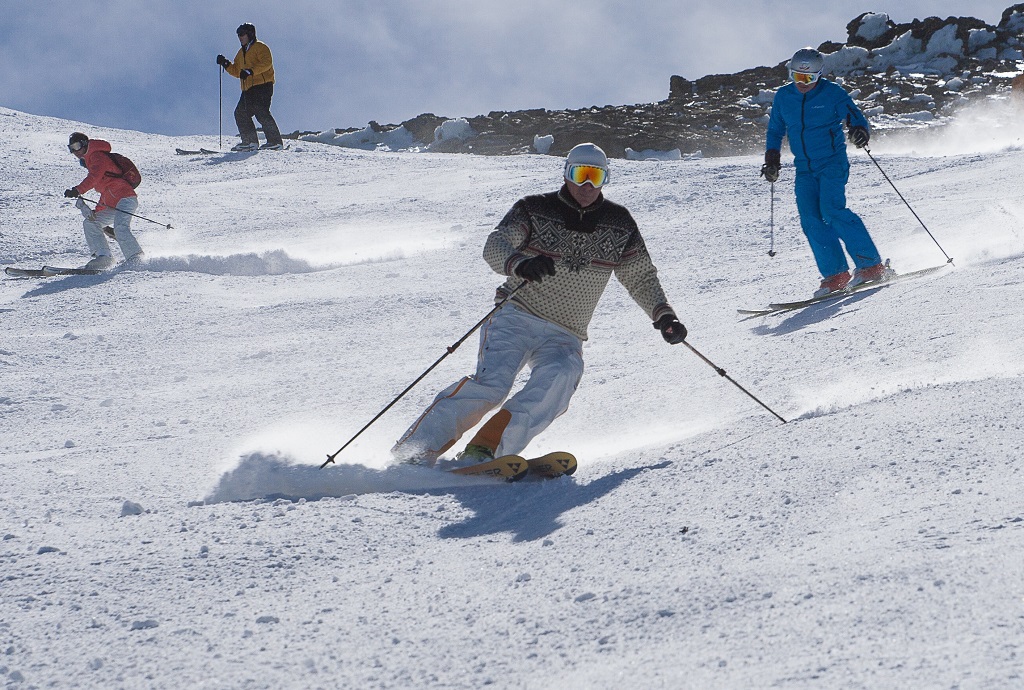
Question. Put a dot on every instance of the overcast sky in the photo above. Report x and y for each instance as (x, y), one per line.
(151, 66)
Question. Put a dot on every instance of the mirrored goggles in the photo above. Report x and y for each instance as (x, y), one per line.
(77, 146)
(804, 77)
(580, 174)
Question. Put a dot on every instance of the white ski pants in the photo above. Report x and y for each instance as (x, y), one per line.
(510, 340)
(95, 221)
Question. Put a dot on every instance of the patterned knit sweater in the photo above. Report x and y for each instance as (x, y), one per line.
(587, 246)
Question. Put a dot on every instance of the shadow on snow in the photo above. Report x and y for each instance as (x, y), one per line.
(530, 509)
(811, 315)
(532, 514)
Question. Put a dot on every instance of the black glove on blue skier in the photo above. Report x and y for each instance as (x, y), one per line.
(859, 136)
(671, 330)
(772, 163)
(536, 268)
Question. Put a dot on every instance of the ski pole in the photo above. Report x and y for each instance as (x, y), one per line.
(451, 349)
(949, 259)
(721, 372)
(220, 112)
(771, 222)
(94, 203)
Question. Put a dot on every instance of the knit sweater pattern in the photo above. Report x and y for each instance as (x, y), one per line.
(587, 246)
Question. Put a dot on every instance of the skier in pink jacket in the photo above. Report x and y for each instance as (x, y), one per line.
(117, 202)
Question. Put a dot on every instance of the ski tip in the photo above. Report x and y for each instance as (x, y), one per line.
(15, 272)
(553, 465)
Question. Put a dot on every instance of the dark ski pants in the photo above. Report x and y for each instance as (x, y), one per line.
(255, 102)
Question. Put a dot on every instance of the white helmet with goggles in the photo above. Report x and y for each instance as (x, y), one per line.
(587, 163)
(806, 66)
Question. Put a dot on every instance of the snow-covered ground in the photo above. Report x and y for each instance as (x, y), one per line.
(873, 541)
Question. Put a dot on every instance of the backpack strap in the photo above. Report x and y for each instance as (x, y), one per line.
(113, 160)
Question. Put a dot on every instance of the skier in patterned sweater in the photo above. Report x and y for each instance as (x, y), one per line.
(564, 245)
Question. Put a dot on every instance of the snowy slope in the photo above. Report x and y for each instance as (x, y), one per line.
(874, 541)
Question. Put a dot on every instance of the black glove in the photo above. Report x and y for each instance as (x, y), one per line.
(859, 136)
(772, 163)
(671, 330)
(223, 61)
(71, 193)
(245, 73)
(536, 268)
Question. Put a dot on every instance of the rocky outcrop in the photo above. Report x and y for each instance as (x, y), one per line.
(902, 75)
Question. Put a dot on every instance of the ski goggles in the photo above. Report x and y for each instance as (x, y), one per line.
(804, 77)
(77, 146)
(581, 174)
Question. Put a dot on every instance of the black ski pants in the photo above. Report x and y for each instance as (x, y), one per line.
(255, 102)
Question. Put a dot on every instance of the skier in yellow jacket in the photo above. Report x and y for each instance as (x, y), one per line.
(254, 66)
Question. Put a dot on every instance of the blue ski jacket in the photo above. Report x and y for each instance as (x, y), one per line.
(814, 123)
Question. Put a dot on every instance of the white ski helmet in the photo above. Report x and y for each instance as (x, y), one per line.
(808, 61)
(586, 154)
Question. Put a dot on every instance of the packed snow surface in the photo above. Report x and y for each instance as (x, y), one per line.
(164, 522)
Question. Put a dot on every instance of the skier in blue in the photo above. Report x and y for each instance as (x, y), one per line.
(811, 112)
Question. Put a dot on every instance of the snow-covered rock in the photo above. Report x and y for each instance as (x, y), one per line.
(458, 128)
(653, 155)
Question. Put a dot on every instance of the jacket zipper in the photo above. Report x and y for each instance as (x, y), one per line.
(803, 127)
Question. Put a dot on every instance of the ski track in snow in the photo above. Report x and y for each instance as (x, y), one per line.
(164, 522)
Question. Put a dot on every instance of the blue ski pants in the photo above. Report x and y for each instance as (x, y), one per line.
(828, 224)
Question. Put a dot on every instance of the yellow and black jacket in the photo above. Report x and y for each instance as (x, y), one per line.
(255, 56)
